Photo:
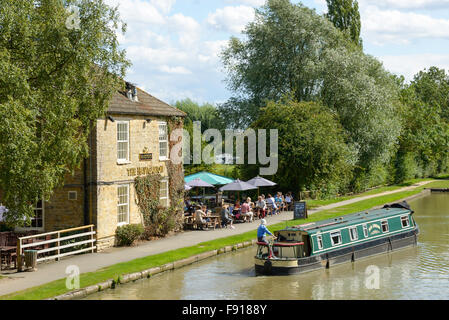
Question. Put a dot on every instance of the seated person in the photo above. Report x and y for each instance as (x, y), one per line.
(261, 207)
(247, 210)
(236, 211)
(200, 215)
(279, 201)
(225, 218)
(271, 204)
(188, 207)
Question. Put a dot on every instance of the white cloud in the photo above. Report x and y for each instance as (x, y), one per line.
(409, 65)
(138, 11)
(163, 5)
(407, 4)
(231, 19)
(383, 26)
(253, 3)
(175, 70)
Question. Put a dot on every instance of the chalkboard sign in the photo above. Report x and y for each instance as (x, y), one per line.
(300, 210)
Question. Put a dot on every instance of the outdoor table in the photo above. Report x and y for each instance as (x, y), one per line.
(9, 250)
(214, 221)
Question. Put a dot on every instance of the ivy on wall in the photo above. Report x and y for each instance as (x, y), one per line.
(176, 176)
(158, 220)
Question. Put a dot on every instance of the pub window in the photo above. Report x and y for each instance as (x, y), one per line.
(37, 221)
(163, 141)
(336, 238)
(123, 204)
(319, 239)
(353, 233)
(405, 222)
(73, 195)
(164, 193)
(365, 231)
(123, 141)
(384, 226)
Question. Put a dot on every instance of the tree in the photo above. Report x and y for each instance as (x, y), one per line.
(206, 113)
(290, 49)
(313, 154)
(282, 54)
(345, 15)
(58, 71)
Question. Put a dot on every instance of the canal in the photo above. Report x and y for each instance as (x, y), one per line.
(420, 272)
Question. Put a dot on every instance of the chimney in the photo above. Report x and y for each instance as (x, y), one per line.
(131, 91)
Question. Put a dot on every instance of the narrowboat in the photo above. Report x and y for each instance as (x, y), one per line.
(323, 244)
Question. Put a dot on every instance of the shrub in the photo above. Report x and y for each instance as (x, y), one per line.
(127, 234)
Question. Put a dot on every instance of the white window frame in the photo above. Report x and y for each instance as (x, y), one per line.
(319, 240)
(405, 218)
(382, 223)
(356, 237)
(122, 204)
(123, 160)
(365, 231)
(163, 123)
(166, 197)
(339, 237)
(29, 228)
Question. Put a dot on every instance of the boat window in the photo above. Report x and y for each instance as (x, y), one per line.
(405, 221)
(319, 239)
(384, 226)
(353, 233)
(336, 238)
(365, 231)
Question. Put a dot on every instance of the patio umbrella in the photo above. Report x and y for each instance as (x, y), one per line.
(198, 183)
(208, 177)
(187, 187)
(238, 186)
(260, 182)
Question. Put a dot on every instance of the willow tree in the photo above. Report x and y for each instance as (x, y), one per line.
(60, 63)
(291, 50)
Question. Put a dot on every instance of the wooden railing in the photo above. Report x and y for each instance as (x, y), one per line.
(55, 242)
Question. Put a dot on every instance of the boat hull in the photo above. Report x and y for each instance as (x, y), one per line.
(335, 257)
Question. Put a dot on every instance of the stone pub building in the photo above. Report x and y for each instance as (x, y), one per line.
(132, 139)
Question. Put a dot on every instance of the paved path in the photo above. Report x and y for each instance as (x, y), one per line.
(48, 272)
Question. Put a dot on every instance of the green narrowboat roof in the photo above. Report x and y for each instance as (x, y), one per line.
(350, 219)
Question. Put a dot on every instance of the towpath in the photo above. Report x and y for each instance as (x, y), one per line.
(48, 272)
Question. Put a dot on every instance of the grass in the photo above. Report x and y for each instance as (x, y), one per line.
(113, 272)
(311, 204)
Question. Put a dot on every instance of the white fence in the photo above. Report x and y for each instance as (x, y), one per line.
(56, 241)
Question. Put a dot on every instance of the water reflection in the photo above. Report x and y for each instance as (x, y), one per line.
(420, 272)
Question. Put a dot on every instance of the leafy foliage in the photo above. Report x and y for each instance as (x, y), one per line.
(312, 149)
(55, 81)
(345, 15)
(127, 234)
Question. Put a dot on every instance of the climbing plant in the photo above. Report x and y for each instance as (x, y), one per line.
(176, 177)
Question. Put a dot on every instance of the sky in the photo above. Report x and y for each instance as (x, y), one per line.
(174, 45)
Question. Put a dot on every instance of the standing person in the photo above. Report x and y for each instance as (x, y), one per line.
(261, 231)
(289, 201)
(261, 207)
(247, 211)
(271, 204)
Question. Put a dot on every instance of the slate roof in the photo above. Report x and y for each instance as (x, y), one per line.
(146, 106)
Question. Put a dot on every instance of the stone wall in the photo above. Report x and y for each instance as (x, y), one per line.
(111, 174)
